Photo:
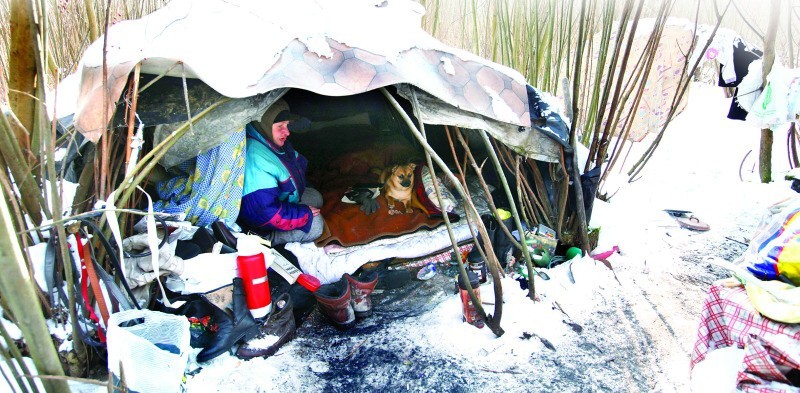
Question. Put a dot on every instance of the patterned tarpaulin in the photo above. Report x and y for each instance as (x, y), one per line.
(662, 81)
(728, 318)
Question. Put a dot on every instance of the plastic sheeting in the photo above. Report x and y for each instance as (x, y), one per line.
(525, 141)
(243, 48)
(215, 128)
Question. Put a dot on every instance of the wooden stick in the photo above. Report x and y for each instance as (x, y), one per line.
(493, 323)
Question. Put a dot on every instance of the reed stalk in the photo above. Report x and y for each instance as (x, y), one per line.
(600, 143)
(14, 351)
(639, 165)
(24, 303)
(597, 106)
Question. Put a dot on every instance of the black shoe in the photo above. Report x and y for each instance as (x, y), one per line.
(231, 329)
(279, 323)
(388, 279)
(223, 234)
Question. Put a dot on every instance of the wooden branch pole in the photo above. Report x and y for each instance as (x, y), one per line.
(134, 97)
(146, 164)
(639, 165)
(515, 214)
(485, 187)
(17, 289)
(580, 207)
(487, 248)
(494, 326)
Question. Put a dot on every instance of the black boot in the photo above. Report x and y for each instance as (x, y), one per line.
(502, 243)
(387, 279)
(279, 323)
(232, 329)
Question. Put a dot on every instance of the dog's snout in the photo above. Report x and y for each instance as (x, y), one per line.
(405, 182)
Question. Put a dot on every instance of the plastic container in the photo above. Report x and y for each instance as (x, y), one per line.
(253, 272)
(427, 272)
(149, 348)
(478, 265)
(541, 258)
(470, 312)
(573, 252)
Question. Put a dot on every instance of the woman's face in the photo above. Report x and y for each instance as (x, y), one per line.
(280, 132)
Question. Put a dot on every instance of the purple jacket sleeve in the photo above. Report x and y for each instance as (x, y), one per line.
(262, 210)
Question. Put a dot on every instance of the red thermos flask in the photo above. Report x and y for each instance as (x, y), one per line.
(253, 272)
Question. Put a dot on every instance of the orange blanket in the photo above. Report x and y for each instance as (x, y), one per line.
(334, 171)
(349, 226)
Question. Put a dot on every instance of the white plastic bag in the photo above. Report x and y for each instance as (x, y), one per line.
(152, 352)
(776, 105)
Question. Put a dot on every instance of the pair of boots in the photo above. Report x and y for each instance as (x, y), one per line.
(260, 338)
(231, 329)
(348, 299)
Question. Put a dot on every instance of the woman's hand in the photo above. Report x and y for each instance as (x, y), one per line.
(314, 210)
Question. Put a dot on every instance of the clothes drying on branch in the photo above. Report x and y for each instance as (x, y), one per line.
(743, 55)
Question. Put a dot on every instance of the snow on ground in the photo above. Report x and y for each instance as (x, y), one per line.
(598, 334)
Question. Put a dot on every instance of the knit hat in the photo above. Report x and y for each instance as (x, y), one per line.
(278, 112)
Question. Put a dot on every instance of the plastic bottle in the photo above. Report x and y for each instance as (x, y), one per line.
(253, 272)
(478, 265)
(467, 307)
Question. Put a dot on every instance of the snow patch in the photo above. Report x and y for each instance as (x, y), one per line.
(501, 110)
(263, 342)
(448, 66)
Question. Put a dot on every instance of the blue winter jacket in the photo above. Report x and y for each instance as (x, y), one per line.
(274, 181)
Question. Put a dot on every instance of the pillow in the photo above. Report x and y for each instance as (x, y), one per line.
(426, 193)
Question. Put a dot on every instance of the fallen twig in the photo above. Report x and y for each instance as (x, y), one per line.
(356, 348)
(501, 371)
(734, 240)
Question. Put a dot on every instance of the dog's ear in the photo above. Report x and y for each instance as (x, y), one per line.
(412, 166)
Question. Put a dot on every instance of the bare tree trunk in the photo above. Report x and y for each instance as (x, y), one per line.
(25, 305)
(22, 70)
(765, 156)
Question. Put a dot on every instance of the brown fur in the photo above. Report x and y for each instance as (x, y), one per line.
(398, 186)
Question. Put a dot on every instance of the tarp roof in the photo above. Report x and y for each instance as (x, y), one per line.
(242, 48)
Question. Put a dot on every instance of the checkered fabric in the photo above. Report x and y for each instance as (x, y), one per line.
(728, 318)
(442, 257)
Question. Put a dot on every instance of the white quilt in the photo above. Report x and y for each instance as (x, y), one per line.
(330, 263)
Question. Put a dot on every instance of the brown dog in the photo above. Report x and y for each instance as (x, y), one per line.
(398, 186)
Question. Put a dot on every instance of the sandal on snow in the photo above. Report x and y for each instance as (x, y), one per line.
(692, 222)
(677, 213)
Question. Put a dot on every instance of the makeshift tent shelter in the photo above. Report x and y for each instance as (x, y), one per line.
(250, 53)
(255, 48)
